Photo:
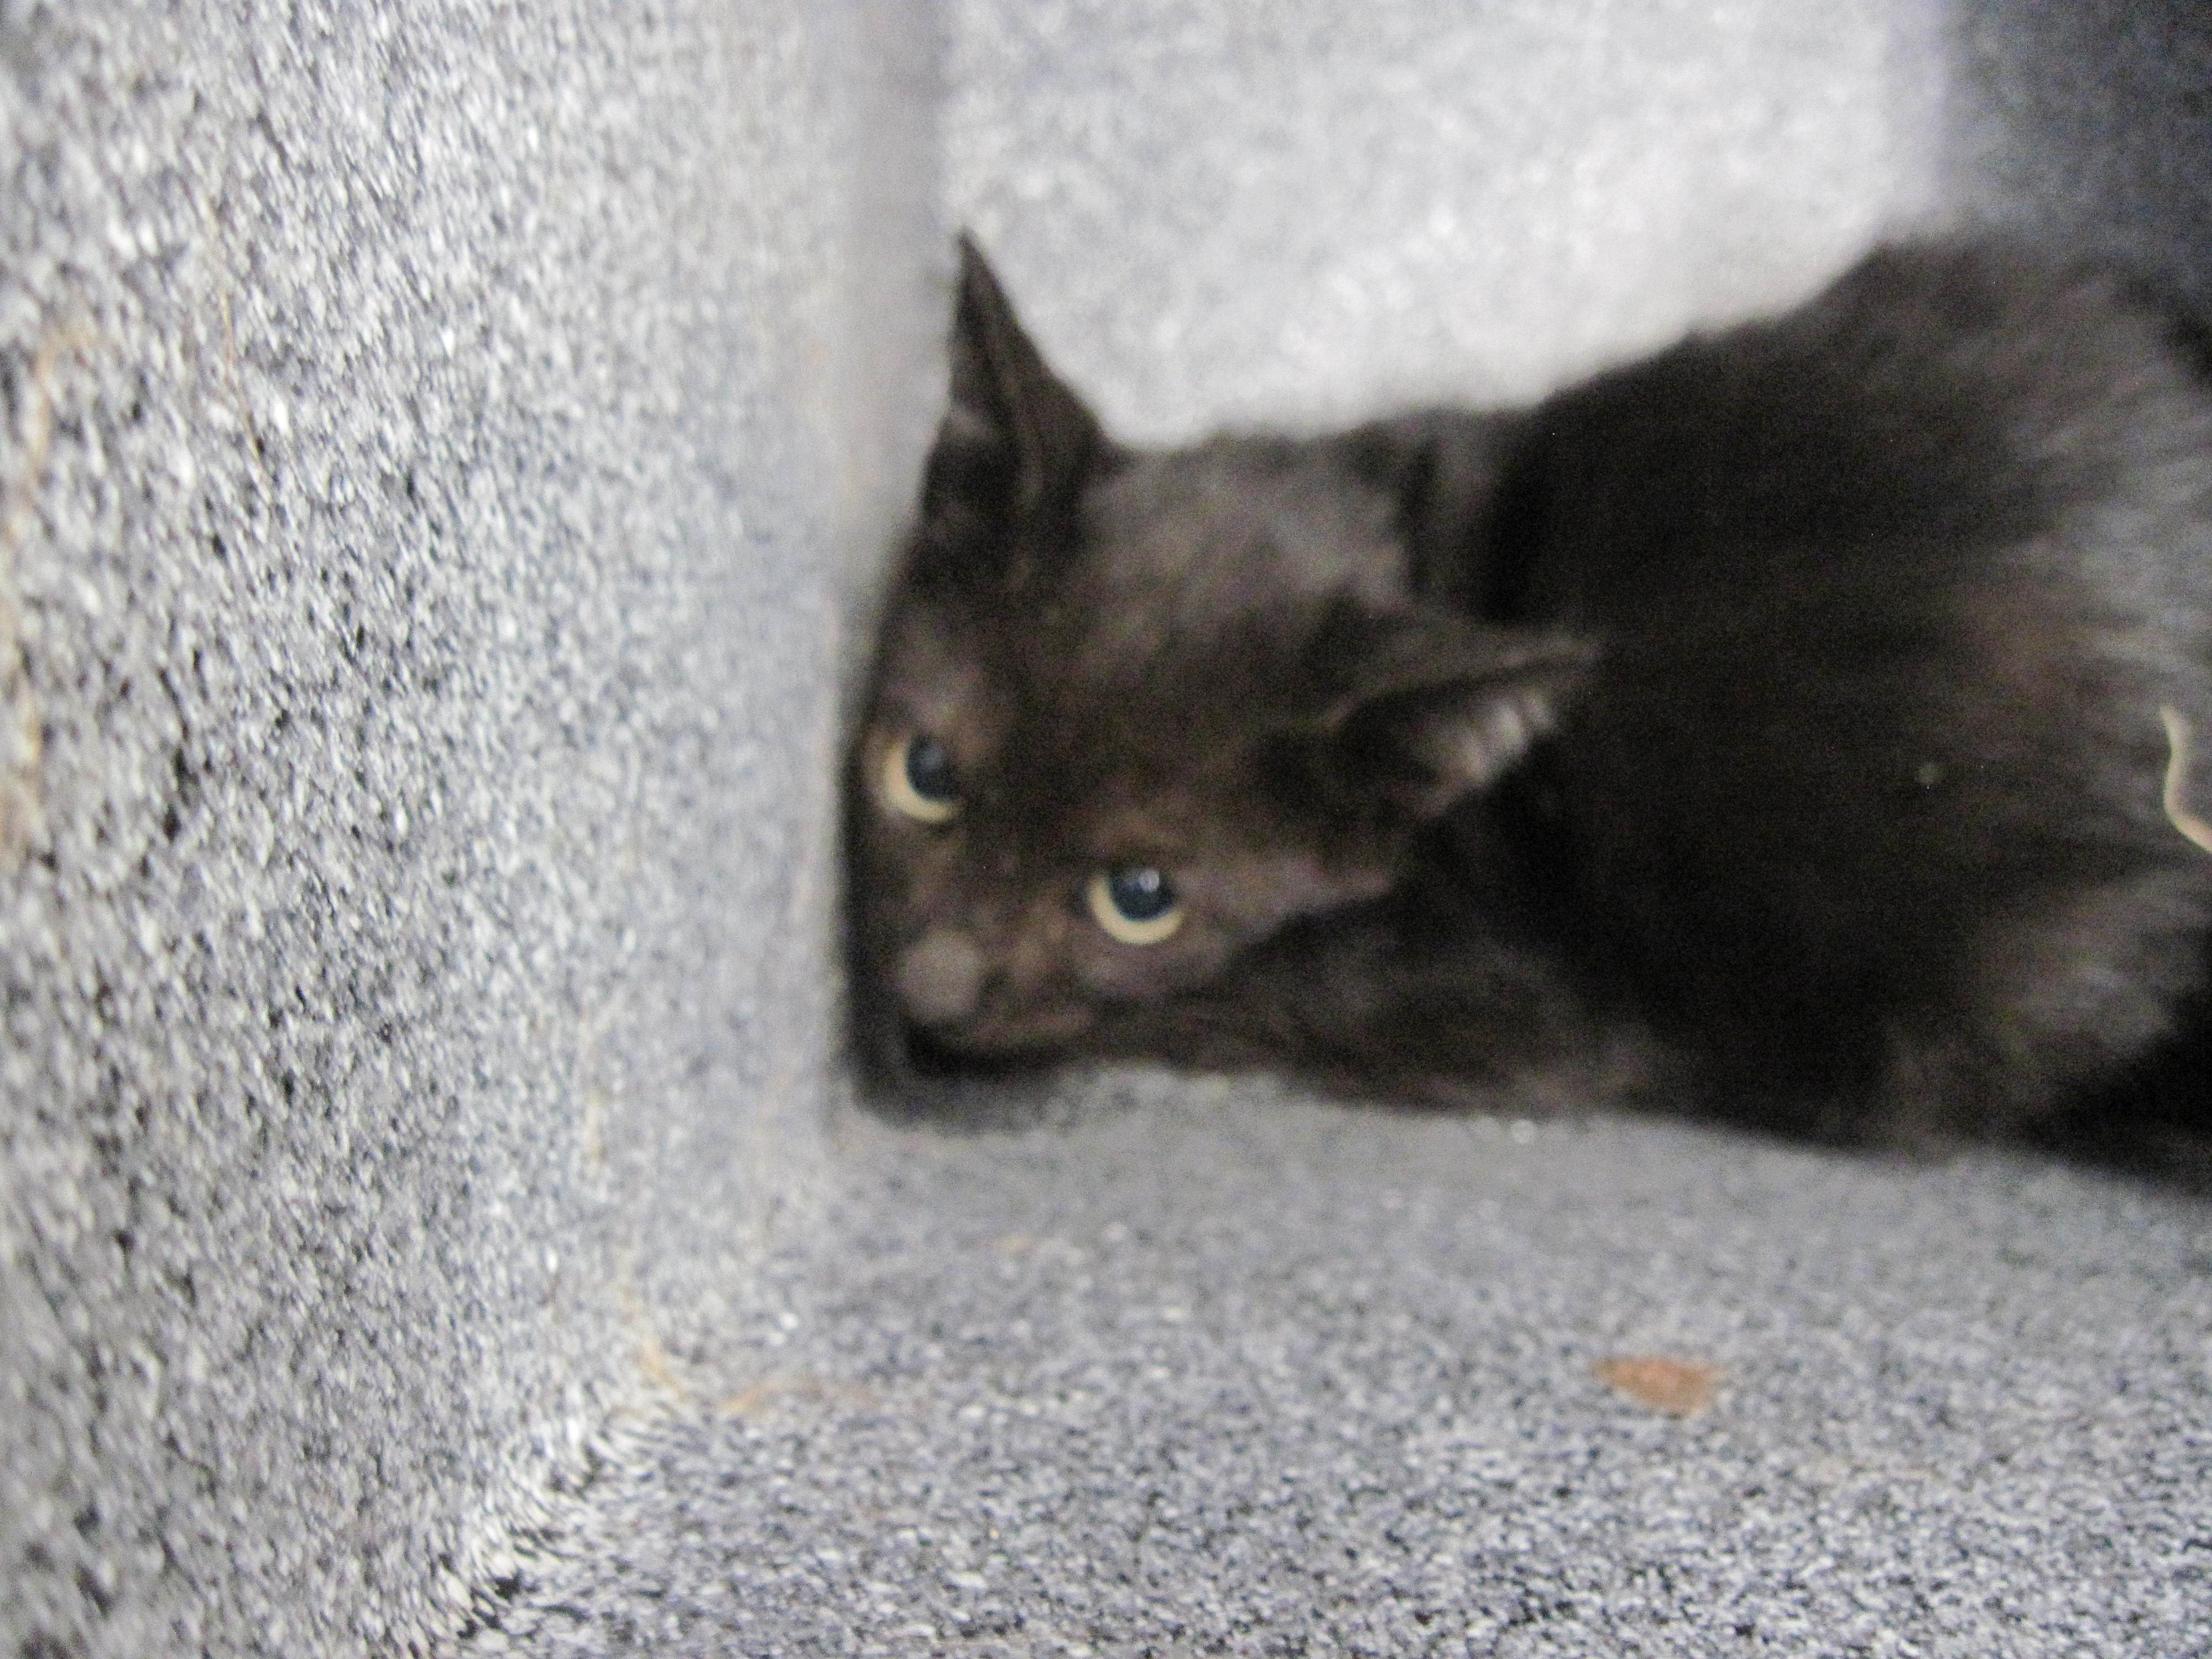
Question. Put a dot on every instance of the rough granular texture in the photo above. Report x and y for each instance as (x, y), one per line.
(445, 450)
(416, 573)
(1224, 1374)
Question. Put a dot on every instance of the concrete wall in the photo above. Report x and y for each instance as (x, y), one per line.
(2089, 124)
(1226, 213)
(425, 457)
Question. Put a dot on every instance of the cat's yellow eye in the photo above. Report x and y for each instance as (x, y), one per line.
(919, 781)
(1134, 903)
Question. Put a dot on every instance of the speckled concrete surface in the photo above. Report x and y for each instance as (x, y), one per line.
(418, 587)
(1218, 1372)
(2088, 122)
(436, 442)
(1213, 213)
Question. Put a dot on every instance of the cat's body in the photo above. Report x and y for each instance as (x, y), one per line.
(1776, 721)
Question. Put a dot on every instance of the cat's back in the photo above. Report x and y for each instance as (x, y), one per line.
(1893, 595)
(1938, 412)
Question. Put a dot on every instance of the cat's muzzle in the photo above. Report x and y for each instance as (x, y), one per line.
(939, 977)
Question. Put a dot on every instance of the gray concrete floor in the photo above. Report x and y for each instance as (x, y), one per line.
(1219, 1369)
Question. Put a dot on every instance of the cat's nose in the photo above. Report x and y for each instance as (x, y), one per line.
(939, 977)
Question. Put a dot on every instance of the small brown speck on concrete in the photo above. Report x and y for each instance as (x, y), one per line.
(1660, 1383)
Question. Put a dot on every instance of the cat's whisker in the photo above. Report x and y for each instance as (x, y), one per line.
(2176, 801)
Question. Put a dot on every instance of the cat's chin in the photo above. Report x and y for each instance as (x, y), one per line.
(909, 1076)
(1033, 1031)
(934, 1057)
(1004, 1047)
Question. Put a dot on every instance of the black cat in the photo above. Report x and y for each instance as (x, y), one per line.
(1794, 725)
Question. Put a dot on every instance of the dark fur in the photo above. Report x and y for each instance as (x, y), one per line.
(1772, 724)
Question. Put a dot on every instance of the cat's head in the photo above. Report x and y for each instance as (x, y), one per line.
(1133, 713)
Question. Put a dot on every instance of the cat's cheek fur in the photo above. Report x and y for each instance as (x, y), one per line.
(1140, 973)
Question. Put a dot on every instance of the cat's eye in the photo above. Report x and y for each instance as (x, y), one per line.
(1134, 903)
(919, 779)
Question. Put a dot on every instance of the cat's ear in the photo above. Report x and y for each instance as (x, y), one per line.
(1016, 444)
(1445, 707)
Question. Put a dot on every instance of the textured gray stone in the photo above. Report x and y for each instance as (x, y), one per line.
(1216, 213)
(445, 456)
(1217, 1371)
(421, 558)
